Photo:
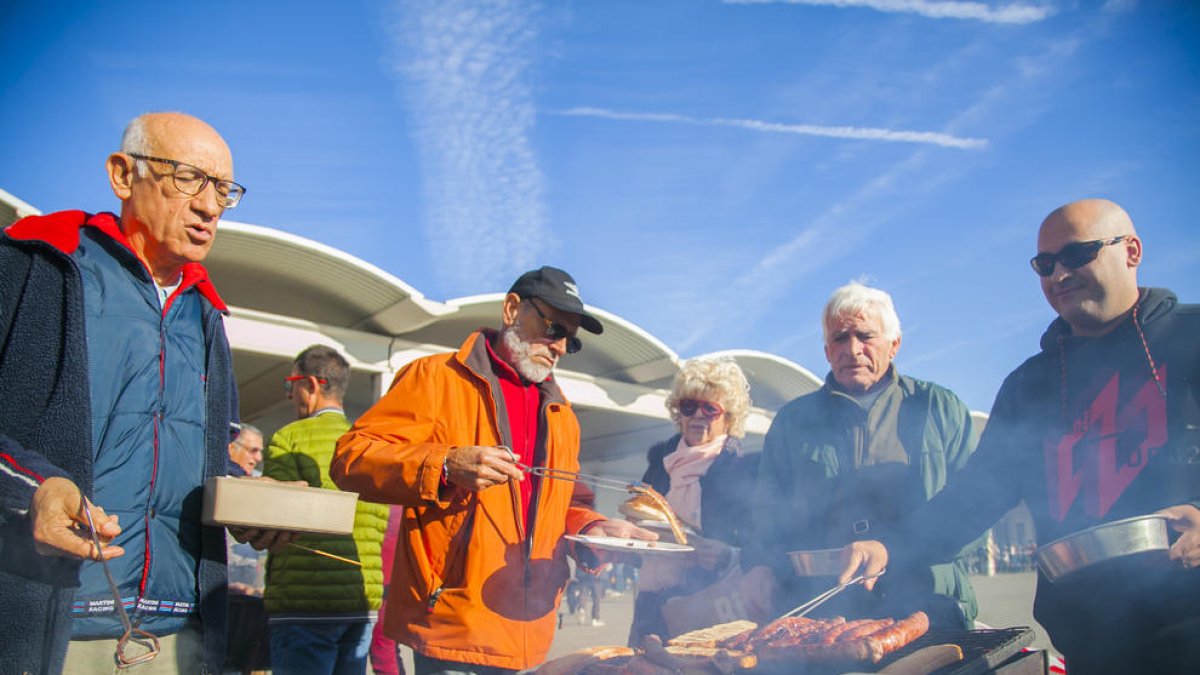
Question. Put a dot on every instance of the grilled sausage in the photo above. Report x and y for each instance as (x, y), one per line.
(903, 632)
(865, 629)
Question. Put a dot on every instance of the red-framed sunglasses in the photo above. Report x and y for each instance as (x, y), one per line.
(287, 381)
(689, 407)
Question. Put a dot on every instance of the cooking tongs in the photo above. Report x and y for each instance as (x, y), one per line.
(820, 599)
(575, 477)
(135, 635)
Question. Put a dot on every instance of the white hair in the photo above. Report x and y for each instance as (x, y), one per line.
(136, 141)
(857, 298)
(721, 379)
(519, 352)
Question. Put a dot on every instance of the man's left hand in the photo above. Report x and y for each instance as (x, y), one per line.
(269, 540)
(1185, 519)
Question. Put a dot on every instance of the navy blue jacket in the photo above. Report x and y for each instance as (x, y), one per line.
(46, 429)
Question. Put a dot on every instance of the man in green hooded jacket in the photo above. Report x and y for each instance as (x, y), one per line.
(856, 456)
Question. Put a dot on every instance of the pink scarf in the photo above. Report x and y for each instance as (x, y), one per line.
(686, 466)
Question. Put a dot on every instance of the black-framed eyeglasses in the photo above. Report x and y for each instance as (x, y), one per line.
(1073, 255)
(287, 381)
(190, 180)
(555, 331)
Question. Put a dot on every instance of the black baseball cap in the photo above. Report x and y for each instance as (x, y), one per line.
(557, 289)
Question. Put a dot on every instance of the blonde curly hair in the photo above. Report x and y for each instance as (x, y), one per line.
(720, 380)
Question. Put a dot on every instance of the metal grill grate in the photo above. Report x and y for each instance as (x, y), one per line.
(983, 650)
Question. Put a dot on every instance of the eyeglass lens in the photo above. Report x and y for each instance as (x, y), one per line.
(688, 407)
(1072, 256)
(556, 331)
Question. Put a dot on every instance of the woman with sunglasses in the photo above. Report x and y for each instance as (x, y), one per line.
(708, 481)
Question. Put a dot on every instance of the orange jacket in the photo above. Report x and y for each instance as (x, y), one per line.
(465, 585)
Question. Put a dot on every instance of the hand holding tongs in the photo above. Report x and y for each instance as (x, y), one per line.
(820, 599)
(135, 635)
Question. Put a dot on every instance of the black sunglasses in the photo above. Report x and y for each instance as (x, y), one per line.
(555, 331)
(690, 406)
(1072, 256)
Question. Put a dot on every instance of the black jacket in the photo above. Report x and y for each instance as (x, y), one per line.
(726, 491)
(1084, 434)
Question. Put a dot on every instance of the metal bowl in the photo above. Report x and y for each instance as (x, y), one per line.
(1118, 539)
(826, 562)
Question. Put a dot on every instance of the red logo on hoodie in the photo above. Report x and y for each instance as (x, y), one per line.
(1109, 444)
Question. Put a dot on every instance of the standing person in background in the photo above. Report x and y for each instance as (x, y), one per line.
(1097, 427)
(481, 561)
(708, 481)
(385, 652)
(321, 610)
(246, 449)
(859, 454)
(248, 640)
(118, 392)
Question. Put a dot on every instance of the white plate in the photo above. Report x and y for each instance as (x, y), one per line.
(638, 545)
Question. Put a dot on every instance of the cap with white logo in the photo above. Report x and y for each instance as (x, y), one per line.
(557, 289)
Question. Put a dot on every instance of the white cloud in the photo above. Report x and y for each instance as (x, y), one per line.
(858, 133)
(463, 68)
(932, 9)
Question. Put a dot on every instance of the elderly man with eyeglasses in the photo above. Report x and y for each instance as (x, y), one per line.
(857, 456)
(480, 560)
(118, 393)
(1101, 425)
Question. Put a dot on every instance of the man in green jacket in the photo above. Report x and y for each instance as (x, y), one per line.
(321, 610)
(856, 456)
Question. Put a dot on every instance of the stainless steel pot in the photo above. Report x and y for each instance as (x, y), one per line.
(826, 562)
(1118, 539)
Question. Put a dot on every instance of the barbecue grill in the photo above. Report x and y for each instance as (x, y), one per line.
(984, 651)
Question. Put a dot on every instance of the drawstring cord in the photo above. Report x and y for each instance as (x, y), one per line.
(1062, 359)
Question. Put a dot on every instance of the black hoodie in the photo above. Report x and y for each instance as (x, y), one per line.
(1086, 433)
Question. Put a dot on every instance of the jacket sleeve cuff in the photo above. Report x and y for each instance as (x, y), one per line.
(433, 483)
(22, 472)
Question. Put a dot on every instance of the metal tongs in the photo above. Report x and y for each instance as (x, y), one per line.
(135, 635)
(573, 476)
(820, 599)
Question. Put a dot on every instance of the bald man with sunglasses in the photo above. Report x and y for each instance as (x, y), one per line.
(480, 560)
(1099, 426)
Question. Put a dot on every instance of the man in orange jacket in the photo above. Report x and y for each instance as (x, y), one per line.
(481, 562)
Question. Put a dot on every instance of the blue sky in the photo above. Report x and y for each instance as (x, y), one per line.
(708, 170)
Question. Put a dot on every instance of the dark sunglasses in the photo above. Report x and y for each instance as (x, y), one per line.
(689, 406)
(555, 331)
(1072, 256)
(287, 381)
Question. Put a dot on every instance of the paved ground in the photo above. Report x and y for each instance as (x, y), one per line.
(1004, 600)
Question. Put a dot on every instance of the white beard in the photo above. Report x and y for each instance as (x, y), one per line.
(519, 351)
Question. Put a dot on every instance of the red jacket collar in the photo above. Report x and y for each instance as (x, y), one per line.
(61, 231)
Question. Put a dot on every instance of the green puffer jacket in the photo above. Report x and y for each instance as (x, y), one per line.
(832, 472)
(303, 583)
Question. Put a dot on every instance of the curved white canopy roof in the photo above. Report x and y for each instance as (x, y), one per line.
(267, 270)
